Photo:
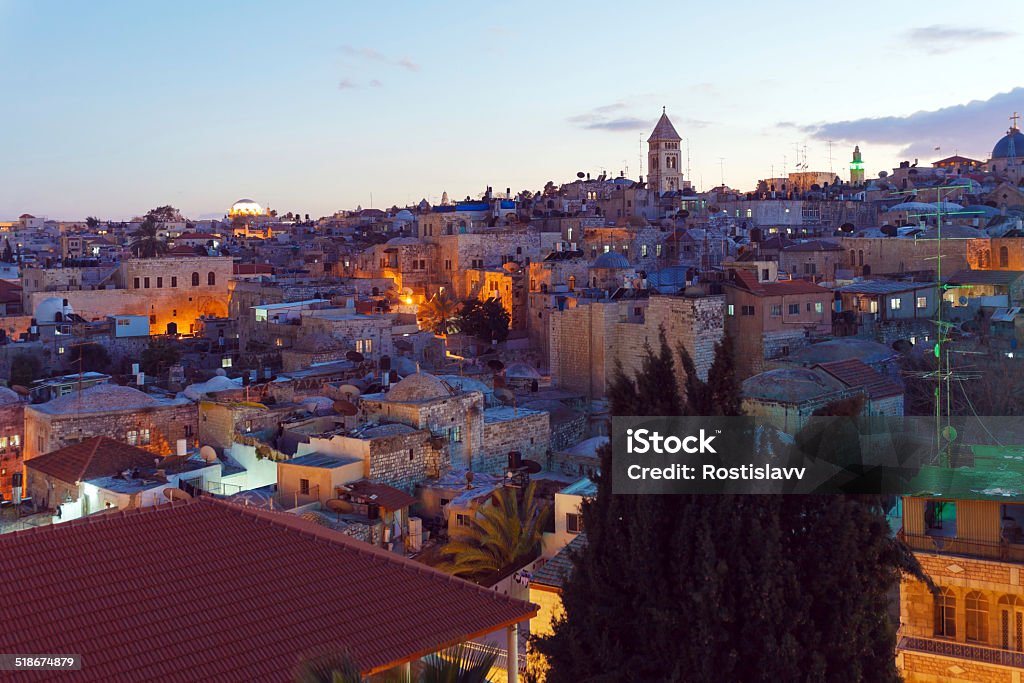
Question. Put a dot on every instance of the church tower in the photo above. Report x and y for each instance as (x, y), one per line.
(663, 173)
(856, 168)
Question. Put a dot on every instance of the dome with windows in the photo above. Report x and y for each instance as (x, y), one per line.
(1010, 145)
(611, 260)
(245, 207)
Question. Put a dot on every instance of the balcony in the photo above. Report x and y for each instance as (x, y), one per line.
(974, 653)
(949, 545)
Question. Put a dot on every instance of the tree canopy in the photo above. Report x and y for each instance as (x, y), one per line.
(486, 320)
(722, 587)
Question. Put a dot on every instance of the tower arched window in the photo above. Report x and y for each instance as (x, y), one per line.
(945, 613)
(195, 279)
(976, 608)
(211, 278)
(1004, 257)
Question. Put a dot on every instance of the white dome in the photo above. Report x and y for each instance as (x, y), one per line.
(48, 309)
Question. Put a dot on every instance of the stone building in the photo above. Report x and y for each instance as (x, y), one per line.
(587, 340)
(139, 419)
(960, 248)
(770, 319)
(174, 292)
(12, 426)
(394, 454)
(508, 429)
(968, 540)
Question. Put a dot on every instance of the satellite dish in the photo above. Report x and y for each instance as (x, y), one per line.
(581, 175)
(208, 454)
(883, 174)
(496, 365)
(339, 505)
(345, 408)
(175, 494)
(20, 390)
(505, 395)
(531, 466)
(350, 391)
(963, 300)
(354, 356)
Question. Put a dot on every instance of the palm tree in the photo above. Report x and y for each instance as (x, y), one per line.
(147, 243)
(458, 664)
(500, 535)
(440, 314)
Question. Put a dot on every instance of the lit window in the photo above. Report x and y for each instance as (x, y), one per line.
(818, 308)
(976, 606)
(922, 302)
(144, 437)
(132, 437)
(455, 434)
(945, 613)
(462, 520)
(60, 350)
(731, 309)
(225, 362)
(896, 303)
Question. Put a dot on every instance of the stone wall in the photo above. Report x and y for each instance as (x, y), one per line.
(401, 461)
(45, 432)
(527, 431)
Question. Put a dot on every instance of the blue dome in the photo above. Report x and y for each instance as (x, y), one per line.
(1010, 145)
(610, 260)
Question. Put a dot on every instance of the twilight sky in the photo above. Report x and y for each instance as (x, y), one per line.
(111, 108)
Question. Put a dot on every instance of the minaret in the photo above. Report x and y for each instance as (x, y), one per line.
(663, 174)
(857, 168)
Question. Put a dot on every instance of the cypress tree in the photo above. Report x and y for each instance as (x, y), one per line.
(722, 588)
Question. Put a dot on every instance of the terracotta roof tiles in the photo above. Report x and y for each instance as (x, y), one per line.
(208, 590)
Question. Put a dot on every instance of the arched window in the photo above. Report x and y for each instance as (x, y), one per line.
(1011, 623)
(945, 613)
(1004, 257)
(860, 257)
(976, 607)
(195, 279)
(853, 257)
(211, 278)
(572, 283)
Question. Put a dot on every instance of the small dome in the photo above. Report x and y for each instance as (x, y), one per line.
(195, 392)
(1010, 145)
(8, 397)
(405, 215)
(421, 386)
(48, 309)
(611, 260)
(791, 385)
(98, 399)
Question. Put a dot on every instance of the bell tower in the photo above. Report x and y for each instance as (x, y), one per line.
(663, 159)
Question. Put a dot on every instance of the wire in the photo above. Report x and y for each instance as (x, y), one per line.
(982, 423)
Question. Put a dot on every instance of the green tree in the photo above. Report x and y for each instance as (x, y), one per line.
(485, 320)
(25, 369)
(8, 256)
(439, 314)
(722, 588)
(158, 356)
(92, 222)
(508, 531)
(147, 242)
(91, 357)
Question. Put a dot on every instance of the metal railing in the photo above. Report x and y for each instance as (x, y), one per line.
(946, 545)
(975, 653)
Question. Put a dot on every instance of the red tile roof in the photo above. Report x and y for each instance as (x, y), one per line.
(9, 292)
(748, 281)
(388, 497)
(208, 590)
(100, 456)
(856, 374)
